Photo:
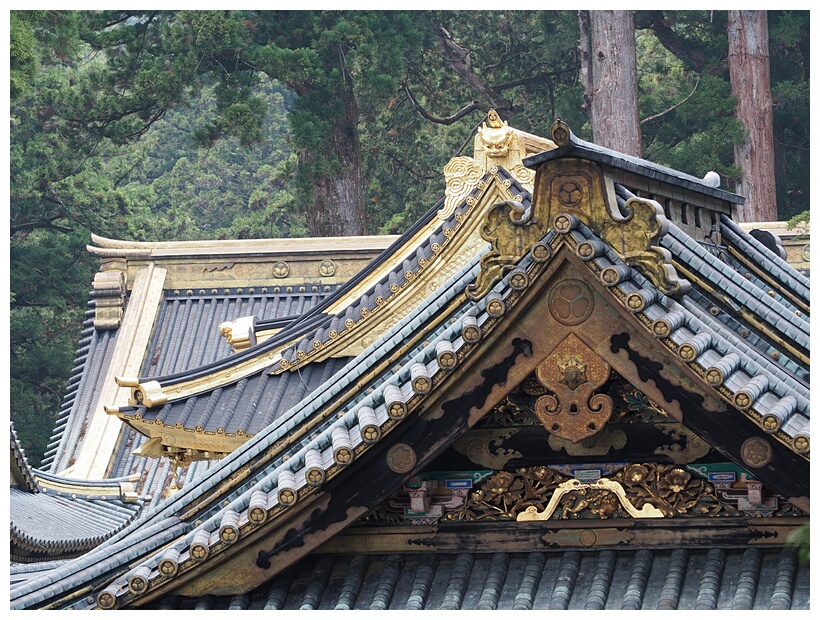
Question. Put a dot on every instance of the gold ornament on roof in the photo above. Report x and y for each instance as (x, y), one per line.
(497, 136)
(496, 144)
(572, 373)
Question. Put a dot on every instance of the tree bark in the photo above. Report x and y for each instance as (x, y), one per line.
(751, 84)
(613, 95)
(338, 206)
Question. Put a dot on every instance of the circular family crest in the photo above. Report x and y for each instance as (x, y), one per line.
(571, 302)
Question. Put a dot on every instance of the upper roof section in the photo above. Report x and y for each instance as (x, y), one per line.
(693, 204)
(241, 263)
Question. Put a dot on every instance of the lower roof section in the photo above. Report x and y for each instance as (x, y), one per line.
(716, 578)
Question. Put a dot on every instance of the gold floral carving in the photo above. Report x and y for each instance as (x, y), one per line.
(484, 447)
(639, 490)
(572, 372)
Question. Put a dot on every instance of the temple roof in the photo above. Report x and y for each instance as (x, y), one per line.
(566, 276)
(590, 580)
(52, 516)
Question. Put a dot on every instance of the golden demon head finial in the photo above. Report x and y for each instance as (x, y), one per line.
(496, 135)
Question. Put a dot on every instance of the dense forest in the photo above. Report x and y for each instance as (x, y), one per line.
(246, 124)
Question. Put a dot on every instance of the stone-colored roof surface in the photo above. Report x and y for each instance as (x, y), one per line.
(54, 517)
(93, 355)
(589, 580)
(48, 525)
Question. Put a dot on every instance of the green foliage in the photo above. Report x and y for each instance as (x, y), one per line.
(22, 56)
(526, 60)
(695, 127)
(699, 134)
(789, 66)
(801, 539)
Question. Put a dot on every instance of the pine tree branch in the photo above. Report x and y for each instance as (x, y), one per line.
(679, 103)
(471, 107)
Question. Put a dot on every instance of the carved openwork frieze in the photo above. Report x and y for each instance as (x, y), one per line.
(586, 492)
(638, 490)
(647, 511)
(572, 373)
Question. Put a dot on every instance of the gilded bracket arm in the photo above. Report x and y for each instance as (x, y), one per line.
(636, 240)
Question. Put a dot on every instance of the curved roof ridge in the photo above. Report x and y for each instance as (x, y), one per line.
(164, 511)
(21, 472)
(573, 145)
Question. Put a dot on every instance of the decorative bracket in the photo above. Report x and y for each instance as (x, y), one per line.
(575, 185)
(149, 393)
(512, 231)
(647, 511)
(109, 299)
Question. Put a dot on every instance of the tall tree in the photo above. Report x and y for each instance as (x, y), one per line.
(751, 84)
(609, 67)
(154, 61)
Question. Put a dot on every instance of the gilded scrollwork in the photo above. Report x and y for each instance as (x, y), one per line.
(598, 445)
(461, 175)
(512, 231)
(630, 406)
(572, 410)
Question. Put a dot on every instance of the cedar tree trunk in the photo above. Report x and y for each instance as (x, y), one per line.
(612, 89)
(338, 206)
(751, 84)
